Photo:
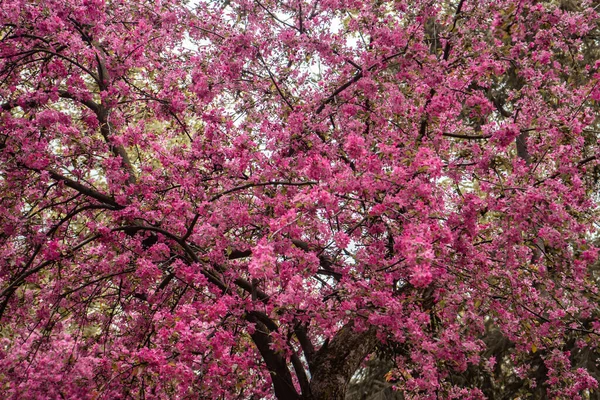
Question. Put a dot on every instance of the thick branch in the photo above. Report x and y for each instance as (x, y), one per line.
(307, 347)
(21, 278)
(432, 92)
(355, 79)
(339, 90)
(85, 190)
(301, 374)
(276, 364)
(61, 93)
(216, 197)
(557, 174)
(118, 150)
(70, 60)
(92, 105)
(454, 21)
(250, 185)
(325, 261)
(522, 150)
(467, 137)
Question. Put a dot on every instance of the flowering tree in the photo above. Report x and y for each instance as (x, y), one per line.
(251, 198)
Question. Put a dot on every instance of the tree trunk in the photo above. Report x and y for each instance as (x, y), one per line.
(337, 361)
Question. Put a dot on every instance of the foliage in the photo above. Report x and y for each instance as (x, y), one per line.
(251, 198)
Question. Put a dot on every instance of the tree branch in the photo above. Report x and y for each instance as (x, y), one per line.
(338, 360)
(85, 190)
(467, 137)
(249, 185)
(276, 364)
(307, 347)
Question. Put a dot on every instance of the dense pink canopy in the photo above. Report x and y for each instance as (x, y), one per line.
(248, 199)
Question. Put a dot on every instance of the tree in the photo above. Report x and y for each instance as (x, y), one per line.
(254, 198)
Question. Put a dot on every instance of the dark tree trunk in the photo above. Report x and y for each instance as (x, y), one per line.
(331, 368)
(337, 361)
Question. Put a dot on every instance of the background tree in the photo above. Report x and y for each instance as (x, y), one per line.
(250, 199)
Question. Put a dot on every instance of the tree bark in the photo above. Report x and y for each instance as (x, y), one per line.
(337, 361)
(281, 377)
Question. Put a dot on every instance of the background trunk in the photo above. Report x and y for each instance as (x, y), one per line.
(337, 361)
